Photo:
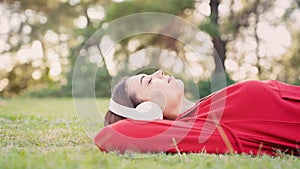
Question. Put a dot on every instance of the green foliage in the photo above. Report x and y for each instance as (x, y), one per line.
(175, 7)
(59, 15)
(103, 81)
(205, 86)
(297, 83)
(209, 27)
(20, 79)
(47, 92)
(102, 86)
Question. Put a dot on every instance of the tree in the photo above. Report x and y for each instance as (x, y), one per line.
(61, 29)
(239, 38)
(37, 37)
(41, 40)
(291, 59)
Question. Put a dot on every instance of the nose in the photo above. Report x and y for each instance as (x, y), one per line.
(158, 74)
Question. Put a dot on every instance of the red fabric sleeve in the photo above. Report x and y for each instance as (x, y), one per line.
(160, 136)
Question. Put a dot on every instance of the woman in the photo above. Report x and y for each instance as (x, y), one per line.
(253, 117)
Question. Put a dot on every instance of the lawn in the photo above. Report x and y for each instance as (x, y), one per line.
(45, 133)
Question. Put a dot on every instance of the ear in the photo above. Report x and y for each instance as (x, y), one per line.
(159, 98)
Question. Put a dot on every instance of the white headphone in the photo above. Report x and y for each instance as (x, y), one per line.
(144, 111)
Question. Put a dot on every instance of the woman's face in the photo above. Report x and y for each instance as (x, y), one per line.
(166, 91)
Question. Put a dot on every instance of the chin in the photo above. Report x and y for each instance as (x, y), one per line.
(180, 84)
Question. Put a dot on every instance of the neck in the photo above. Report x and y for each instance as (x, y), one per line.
(175, 110)
(186, 104)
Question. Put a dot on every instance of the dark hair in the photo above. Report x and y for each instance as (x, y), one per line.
(121, 96)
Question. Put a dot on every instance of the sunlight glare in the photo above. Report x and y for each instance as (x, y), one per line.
(36, 50)
(55, 69)
(4, 25)
(203, 8)
(5, 61)
(23, 55)
(277, 39)
(37, 74)
(51, 37)
(231, 65)
(97, 12)
(137, 59)
(74, 2)
(81, 22)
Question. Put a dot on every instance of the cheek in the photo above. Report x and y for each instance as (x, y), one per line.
(143, 94)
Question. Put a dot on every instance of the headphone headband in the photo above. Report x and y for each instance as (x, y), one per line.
(144, 111)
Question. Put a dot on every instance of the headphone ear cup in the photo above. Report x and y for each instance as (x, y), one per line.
(152, 109)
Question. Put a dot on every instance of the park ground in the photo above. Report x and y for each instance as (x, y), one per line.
(45, 133)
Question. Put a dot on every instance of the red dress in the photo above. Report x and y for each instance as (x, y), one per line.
(253, 117)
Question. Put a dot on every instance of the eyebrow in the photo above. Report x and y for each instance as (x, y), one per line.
(141, 79)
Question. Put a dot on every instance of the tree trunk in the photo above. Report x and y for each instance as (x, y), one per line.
(219, 44)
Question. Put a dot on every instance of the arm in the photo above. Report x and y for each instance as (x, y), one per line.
(157, 136)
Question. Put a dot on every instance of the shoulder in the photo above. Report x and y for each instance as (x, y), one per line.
(248, 83)
(253, 85)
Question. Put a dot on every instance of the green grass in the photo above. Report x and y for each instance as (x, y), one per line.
(45, 133)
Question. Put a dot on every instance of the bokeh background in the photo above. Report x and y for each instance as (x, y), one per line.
(40, 41)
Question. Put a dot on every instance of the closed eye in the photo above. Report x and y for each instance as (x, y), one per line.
(149, 81)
